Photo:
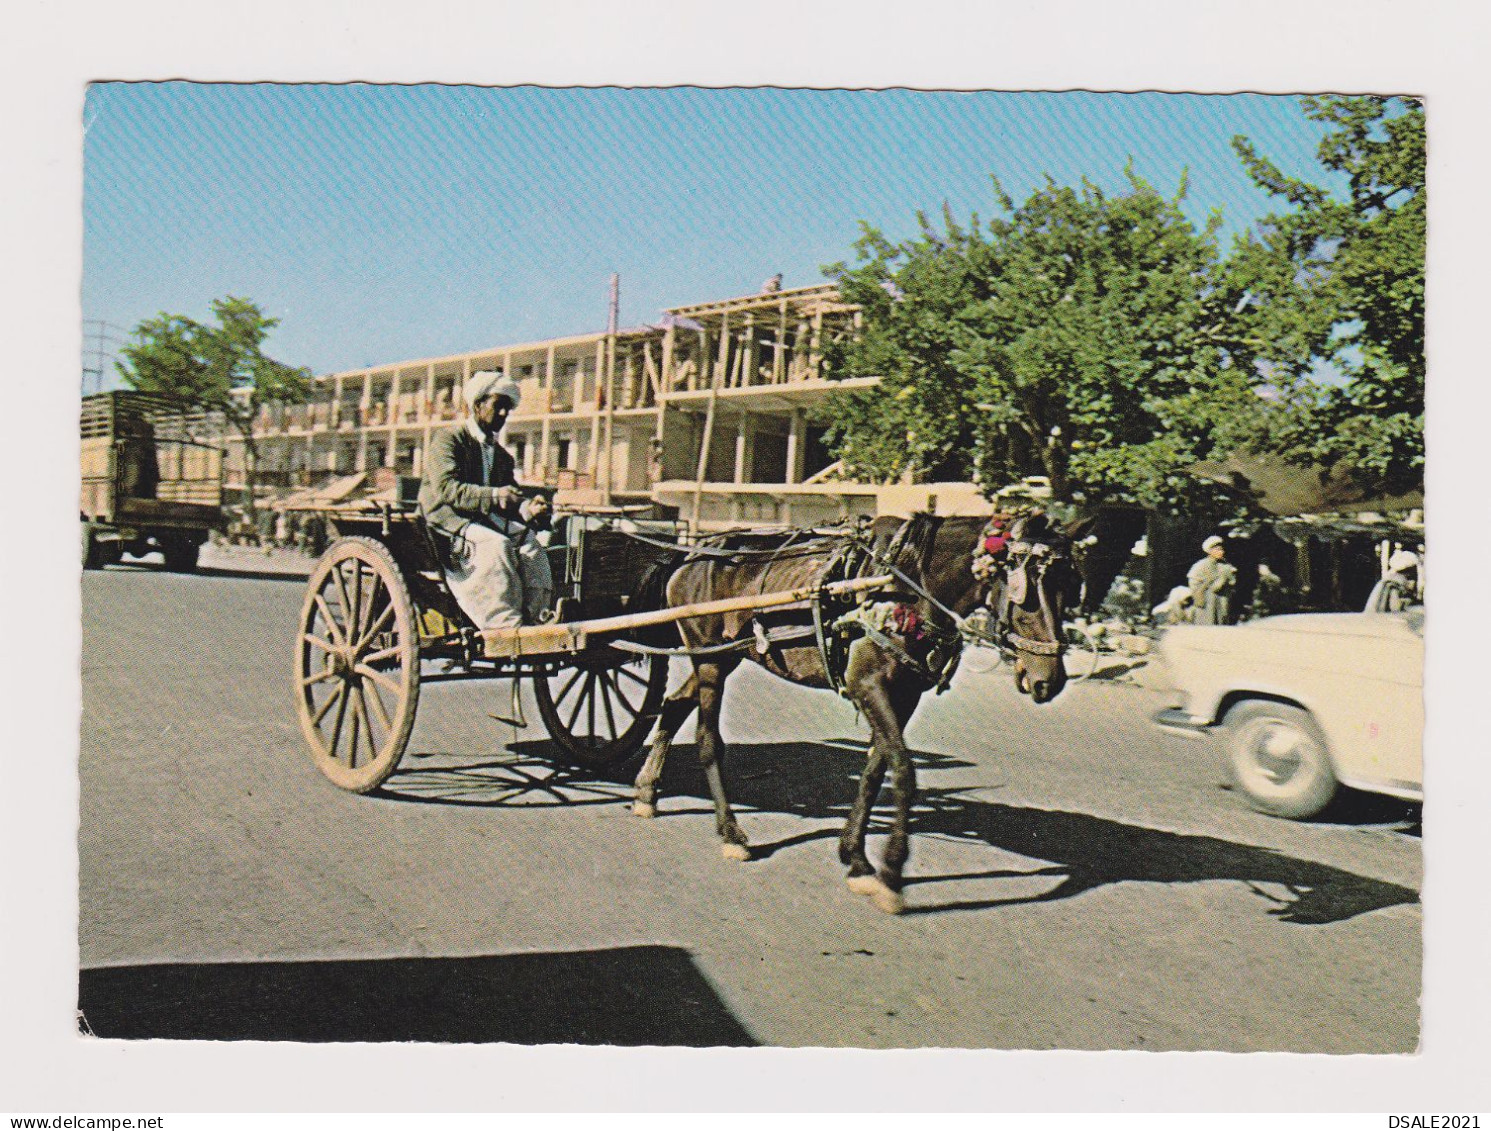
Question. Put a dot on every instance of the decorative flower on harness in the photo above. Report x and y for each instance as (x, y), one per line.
(989, 556)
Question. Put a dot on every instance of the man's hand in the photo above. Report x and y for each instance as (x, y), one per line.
(504, 497)
(537, 513)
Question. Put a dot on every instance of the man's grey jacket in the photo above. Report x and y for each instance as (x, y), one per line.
(454, 490)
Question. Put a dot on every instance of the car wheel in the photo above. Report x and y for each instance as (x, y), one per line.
(1277, 757)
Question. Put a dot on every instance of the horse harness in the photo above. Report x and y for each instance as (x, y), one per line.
(896, 625)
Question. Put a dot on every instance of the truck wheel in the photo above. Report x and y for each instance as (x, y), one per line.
(1277, 756)
(92, 552)
(180, 554)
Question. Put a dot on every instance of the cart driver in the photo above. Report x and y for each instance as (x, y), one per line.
(497, 569)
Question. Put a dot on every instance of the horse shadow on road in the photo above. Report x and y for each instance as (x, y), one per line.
(816, 781)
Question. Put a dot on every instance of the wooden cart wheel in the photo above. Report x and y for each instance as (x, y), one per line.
(357, 664)
(599, 708)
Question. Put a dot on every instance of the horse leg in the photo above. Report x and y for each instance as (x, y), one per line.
(898, 844)
(888, 706)
(711, 686)
(852, 839)
(676, 709)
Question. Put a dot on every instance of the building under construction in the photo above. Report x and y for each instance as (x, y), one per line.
(709, 413)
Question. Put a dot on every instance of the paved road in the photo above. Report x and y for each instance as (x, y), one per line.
(1079, 879)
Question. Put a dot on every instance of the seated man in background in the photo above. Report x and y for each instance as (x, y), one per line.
(497, 570)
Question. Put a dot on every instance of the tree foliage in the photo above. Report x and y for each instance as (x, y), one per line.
(1082, 336)
(1104, 341)
(1337, 286)
(221, 369)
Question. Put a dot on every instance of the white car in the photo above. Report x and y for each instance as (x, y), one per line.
(1305, 703)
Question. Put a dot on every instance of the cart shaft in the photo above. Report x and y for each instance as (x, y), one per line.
(542, 639)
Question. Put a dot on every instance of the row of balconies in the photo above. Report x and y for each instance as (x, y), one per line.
(414, 409)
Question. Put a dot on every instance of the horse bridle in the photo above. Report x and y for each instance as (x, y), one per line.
(1023, 554)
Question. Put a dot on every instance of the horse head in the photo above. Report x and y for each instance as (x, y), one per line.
(1039, 578)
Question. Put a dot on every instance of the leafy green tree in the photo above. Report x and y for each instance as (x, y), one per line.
(220, 368)
(1338, 286)
(1083, 336)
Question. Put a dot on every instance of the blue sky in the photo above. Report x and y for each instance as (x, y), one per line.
(382, 223)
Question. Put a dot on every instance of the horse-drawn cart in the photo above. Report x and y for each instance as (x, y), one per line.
(378, 622)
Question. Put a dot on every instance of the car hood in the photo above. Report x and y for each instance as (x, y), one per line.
(1224, 638)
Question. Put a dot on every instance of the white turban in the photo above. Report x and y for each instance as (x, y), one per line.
(490, 383)
(1212, 542)
(1403, 560)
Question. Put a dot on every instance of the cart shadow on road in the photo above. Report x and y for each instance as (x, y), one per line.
(592, 997)
(817, 781)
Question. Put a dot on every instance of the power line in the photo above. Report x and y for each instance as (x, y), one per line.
(95, 339)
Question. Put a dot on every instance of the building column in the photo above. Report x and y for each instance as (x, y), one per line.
(428, 416)
(364, 406)
(390, 413)
(815, 347)
(742, 447)
(599, 394)
(752, 353)
(796, 437)
(779, 357)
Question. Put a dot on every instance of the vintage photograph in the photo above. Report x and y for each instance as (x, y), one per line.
(797, 568)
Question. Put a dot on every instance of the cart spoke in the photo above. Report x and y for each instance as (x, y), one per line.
(579, 703)
(335, 696)
(333, 627)
(376, 597)
(605, 685)
(356, 733)
(367, 637)
(317, 677)
(367, 723)
(311, 638)
(633, 676)
(354, 620)
(370, 691)
(336, 729)
(383, 654)
(590, 699)
(351, 588)
(565, 690)
(379, 678)
(341, 583)
(630, 699)
(634, 703)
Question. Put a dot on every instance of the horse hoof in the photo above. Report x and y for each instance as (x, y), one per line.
(880, 895)
(644, 809)
(735, 852)
(889, 901)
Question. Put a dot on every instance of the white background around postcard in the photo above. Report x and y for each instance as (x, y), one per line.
(52, 51)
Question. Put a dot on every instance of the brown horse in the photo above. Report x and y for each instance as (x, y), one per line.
(895, 647)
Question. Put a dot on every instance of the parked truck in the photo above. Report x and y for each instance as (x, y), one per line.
(148, 482)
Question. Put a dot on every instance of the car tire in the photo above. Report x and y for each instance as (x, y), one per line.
(1278, 758)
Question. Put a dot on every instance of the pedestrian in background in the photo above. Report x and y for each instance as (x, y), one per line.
(1211, 581)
